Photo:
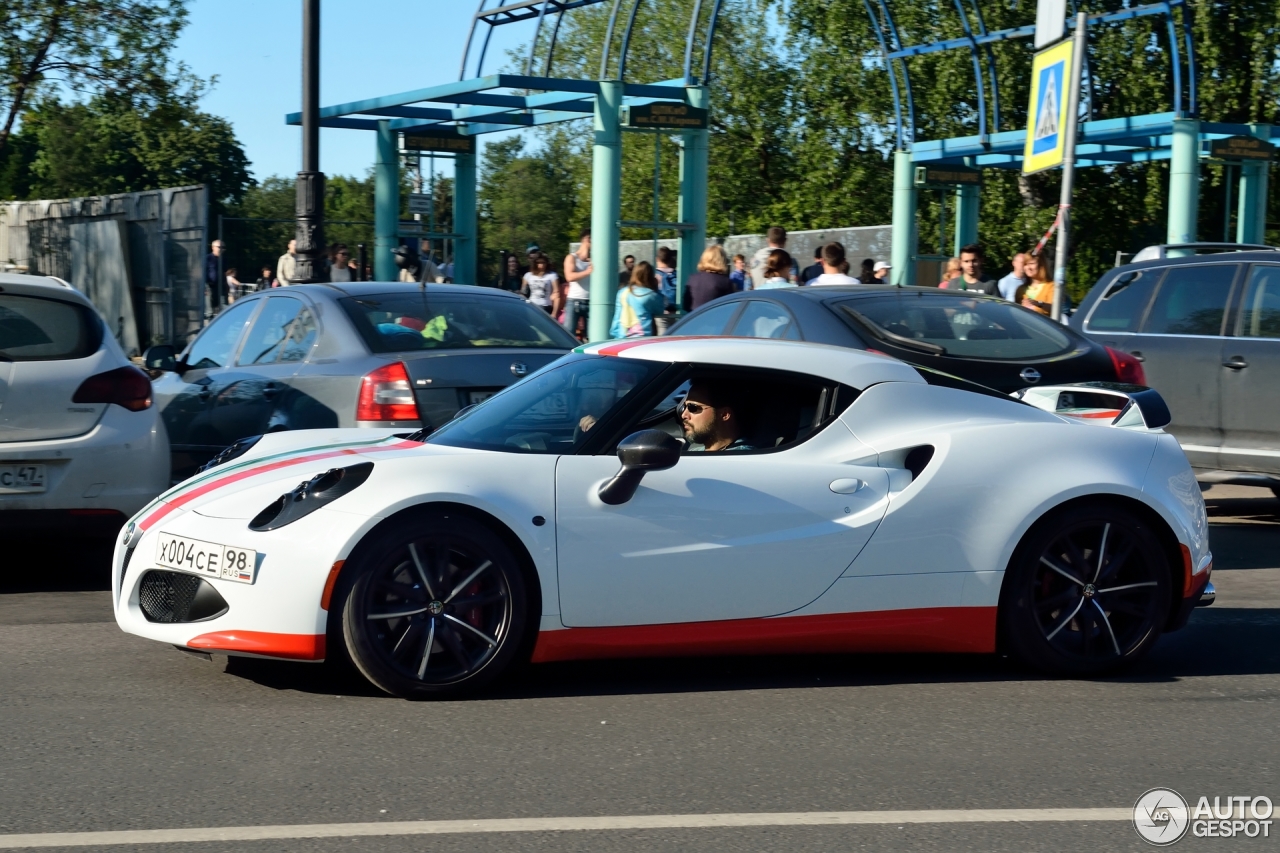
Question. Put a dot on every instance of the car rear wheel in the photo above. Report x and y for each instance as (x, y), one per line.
(1088, 591)
(437, 607)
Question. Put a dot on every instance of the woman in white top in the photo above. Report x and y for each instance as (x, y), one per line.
(777, 270)
(540, 283)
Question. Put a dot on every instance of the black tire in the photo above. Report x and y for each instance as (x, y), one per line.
(460, 600)
(1077, 604)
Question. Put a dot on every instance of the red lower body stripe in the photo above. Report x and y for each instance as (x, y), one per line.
(291, 646)
(932, 629)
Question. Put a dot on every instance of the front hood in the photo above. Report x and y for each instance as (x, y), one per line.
(242, 487)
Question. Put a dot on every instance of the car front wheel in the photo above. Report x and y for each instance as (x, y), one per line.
(1088, 591)
(437, 607)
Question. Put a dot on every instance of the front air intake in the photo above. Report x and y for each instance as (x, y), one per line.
(178, 597)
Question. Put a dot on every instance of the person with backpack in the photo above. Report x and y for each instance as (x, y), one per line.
(638, 305)
(666, 276)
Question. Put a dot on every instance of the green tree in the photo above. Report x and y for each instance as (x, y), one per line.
(87, 46)
(526, 198)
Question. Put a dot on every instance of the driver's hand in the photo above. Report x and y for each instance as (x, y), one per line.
(587, 422)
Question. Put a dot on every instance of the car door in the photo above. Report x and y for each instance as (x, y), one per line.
(727, 535)
(1250, 375)
(253, 395)
(185, 399)
(1180, 344)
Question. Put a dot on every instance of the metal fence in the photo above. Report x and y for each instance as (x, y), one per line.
(138, 256)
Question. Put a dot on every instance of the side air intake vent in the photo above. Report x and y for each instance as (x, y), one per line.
(918, 459)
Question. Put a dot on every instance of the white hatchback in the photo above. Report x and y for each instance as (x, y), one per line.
(81, 446)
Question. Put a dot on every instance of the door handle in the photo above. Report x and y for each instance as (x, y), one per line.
(1235, 363)
(1137, 356)
(846, 486)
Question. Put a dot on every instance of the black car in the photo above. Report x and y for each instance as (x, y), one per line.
(979, 338)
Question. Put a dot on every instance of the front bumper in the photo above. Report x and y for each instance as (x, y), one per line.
(280, 615)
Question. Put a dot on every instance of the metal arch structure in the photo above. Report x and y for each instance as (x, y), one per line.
(454, 113)
(1177, 135)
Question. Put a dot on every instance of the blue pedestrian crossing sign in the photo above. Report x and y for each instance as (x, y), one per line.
(1047, 116)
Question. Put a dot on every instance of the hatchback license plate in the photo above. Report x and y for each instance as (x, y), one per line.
(21, 479)
(206, 558)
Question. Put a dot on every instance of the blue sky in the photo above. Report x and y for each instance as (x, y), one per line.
(368, 48)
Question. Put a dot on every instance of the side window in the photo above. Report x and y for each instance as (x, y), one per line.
(723, 410)
(711, 321)
(1121, 308)
(283, 331)
(1191, 300)
(766, 320)
(1260, 308)
(217, 344)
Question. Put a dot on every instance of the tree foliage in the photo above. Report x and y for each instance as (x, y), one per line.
(803, 123)
(526, 199)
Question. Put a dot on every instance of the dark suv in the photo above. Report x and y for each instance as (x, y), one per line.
(1207, 331)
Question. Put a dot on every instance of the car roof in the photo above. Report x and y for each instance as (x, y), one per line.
(1208, 258)
(370, 288)
(41, 285)
(822, 292)
(857, 368)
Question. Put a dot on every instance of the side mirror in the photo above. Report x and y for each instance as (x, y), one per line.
(160, 357)
(640, 452)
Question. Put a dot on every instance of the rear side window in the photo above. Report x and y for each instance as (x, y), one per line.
(36, 329)
(403, 322)
(283, 332)
(1191, 300)
(1121, 308)
(1260, 308)
(965, 327)
(710, 321)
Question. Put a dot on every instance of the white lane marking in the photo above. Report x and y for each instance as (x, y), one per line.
(555, 824)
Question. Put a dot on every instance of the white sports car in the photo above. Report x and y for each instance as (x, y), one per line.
(681, 496)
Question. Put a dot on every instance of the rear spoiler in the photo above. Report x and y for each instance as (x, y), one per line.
(1103, 403)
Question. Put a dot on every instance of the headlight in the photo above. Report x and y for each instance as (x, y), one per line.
(235, 450)
(310, 495)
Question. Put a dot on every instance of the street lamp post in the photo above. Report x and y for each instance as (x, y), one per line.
(310, 199)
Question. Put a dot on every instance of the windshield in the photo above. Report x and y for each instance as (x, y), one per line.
(551, 411)
(37, 329)
(963, 327)
(417, 320)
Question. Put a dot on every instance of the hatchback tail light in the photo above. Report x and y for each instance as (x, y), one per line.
(1128, 368)
(386, 395)
(124, 386)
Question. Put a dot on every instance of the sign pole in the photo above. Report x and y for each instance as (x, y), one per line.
(1069, 164)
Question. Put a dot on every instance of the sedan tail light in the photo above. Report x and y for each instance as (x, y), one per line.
(124, 386)
(386, 395)
(1128, 368)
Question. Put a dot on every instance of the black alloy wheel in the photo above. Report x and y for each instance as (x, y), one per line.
(437, 608)
(1088, 591)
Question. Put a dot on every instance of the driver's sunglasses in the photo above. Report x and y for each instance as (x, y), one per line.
(693, 408)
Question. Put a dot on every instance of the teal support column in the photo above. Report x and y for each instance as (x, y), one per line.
(902, 258)
(386, 204)
(693, 194)
(1184, 183)
(466, 247)
(606, 200)
(1251, 215)
(967, 198)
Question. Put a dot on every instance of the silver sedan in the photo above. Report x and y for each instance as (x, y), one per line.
(370, 354)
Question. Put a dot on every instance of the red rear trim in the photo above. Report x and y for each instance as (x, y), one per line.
(291, 646)
(200, 491)
(1187, 569)
(930, 629)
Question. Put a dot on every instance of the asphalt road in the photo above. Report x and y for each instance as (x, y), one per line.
(103, 731)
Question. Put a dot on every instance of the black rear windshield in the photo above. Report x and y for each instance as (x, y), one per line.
(404, 322)
(962, 327)
(33, 328)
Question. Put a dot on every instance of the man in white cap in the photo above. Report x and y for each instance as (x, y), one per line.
(881, 271)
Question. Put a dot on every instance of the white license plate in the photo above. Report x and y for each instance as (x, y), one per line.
(21, 478)
(206, 558)
(480, 396)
